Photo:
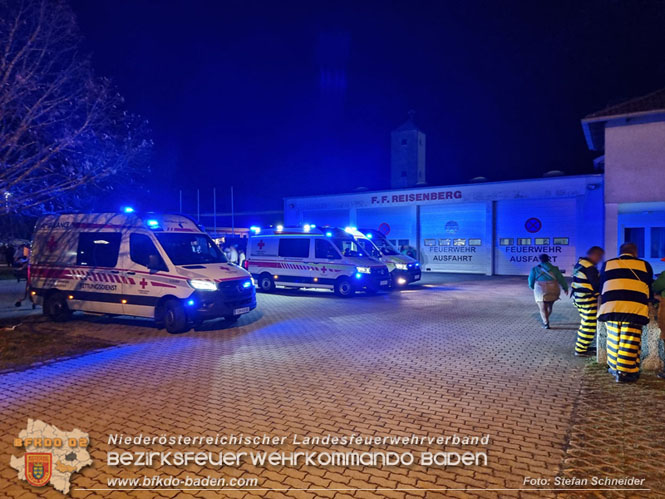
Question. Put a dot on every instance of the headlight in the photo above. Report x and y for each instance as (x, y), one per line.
(364, 270)
(203, 285)
(401, 266)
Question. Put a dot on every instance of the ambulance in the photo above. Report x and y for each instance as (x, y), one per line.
(403, 269)
(312, 257)
(159, 266)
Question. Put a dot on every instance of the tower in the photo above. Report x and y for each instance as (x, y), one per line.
(407, 155)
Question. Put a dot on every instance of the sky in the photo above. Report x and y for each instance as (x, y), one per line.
(287, 98)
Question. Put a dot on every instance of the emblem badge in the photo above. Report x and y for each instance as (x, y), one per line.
(38, 468)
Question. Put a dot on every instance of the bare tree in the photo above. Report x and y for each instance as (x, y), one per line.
(64, 133)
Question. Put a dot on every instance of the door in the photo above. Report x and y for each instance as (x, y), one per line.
(145, 276)
(454, 238)
(293, 251)
(98, 281)
(527, 228)
(326, 266)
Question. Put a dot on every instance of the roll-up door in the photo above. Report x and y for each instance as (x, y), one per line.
(455, 239)
(527, 228)
(398, 224)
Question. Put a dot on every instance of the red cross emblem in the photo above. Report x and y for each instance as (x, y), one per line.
(261, 244)
(143, 283)
(51, 244)
(324, 269)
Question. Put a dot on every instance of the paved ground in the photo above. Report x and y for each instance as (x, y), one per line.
(458, 355)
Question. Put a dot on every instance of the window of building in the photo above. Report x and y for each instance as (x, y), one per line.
(475, 242)
(506, 241)
(430, 242)
(98, 249)
(561, 241)
(635, 235)
(523, 241)
(445, 242)
(541, 241)
(323, 249)
(459, 242)
(404, 242)
(294, 247)
(657, 242)
(144, 252)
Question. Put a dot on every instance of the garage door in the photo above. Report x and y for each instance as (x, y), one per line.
(454, 239)
(527, 228)
(398, 224)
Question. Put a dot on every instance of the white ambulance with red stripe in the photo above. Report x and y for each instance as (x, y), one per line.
(312, 257)
(160, 266)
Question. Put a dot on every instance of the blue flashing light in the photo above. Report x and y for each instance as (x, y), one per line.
(128, 209)
(247, 284)
(312, 226)
(359, 275)
(328, 234)
(280, 228)
(191, 303)
(255, 229)
(152, 223)
(307, 227)
(369, 236)
(350, 229)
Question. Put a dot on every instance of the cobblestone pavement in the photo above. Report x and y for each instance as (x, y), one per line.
(618, 431)
(459, 355)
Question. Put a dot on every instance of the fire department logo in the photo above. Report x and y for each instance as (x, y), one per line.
(452, 227)
(38, 468)
(51, 455)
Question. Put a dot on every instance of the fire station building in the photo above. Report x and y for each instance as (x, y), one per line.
(501, 227)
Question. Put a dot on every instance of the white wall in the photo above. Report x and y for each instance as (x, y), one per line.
(634, 161)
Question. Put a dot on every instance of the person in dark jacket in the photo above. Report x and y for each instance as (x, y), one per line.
(625, 284)
(546, 281)
(585, 292)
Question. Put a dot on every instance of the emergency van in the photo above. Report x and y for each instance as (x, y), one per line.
(403, 269)
(310, 257)
(160, 266)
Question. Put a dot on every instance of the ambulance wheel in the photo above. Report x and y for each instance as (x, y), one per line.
(266, 283)
(344, 288)
(56, 308)
(175, 318)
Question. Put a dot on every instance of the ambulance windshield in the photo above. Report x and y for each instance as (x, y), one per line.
(190, 249)
(385, 246)
(369, 248)
(349, 247)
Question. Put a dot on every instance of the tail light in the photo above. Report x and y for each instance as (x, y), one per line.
(28, 274)
(245, 265)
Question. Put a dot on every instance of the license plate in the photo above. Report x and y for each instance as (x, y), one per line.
(242, 310)
(384, 283)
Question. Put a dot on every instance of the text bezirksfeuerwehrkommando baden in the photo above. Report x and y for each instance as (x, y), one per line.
(393, 455)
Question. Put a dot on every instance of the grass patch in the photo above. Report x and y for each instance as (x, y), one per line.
(35, 341)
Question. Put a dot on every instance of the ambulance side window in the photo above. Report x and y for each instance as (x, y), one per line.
(323, 249)
(141, 249)
(98, 249)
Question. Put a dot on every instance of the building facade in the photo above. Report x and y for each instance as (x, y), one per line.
(501, 227)
(632, 137)
(489, 228)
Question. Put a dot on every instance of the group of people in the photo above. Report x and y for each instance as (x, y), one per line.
(619, 294)
(234, 254)
(17, 258)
